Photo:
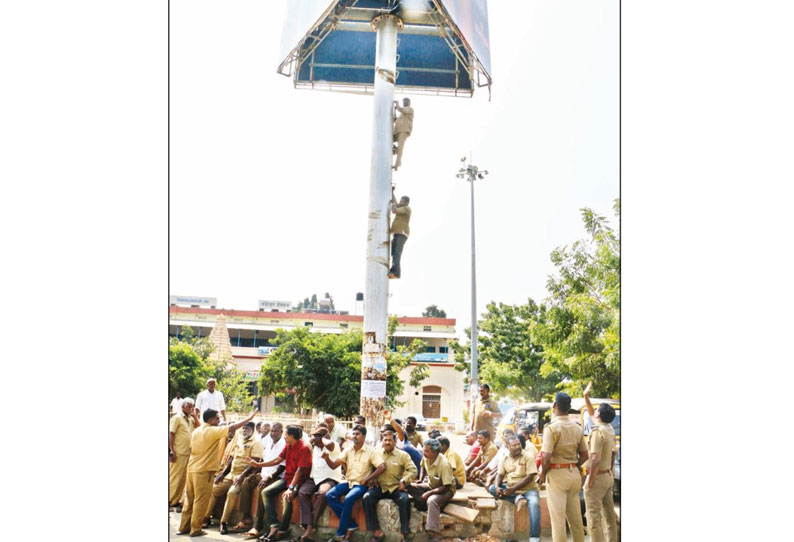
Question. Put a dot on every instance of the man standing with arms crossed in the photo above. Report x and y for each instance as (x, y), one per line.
(179, 431)
(204, 448)
(564, 451)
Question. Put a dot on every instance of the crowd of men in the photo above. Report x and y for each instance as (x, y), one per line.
(333, 467)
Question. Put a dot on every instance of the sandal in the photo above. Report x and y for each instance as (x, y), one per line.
(381, 538)
(239, 528)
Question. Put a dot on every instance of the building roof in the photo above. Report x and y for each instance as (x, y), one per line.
(173, 310)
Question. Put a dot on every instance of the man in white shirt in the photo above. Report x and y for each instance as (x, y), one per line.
(211, 398)
(322, 479)
(273, 443)
(176, 403)
(336, 432)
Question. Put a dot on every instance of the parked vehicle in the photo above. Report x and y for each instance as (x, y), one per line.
(523, 415)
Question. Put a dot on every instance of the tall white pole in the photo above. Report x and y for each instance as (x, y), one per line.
(475, 374)
(373, 357)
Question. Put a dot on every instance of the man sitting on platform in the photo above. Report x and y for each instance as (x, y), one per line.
(392, 484)
(517, 482)
(439, 489)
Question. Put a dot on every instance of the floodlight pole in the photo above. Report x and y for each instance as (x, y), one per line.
(373, 357)
(470, 173)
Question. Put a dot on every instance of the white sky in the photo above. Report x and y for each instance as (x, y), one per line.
(269, 183)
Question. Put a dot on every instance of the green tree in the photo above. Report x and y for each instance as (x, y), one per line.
(580, 328)
(434, 312)
(323, 371)
(189, 367)
(509, 360)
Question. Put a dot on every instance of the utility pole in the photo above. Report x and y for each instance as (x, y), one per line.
(471, 173)
(376, 293)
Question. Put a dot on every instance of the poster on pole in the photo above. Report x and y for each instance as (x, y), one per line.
(373, 388)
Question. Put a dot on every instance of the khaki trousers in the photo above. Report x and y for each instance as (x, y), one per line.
(434, 505)
(224, 490)
(199, 492)
(247, 494)
(400, 138)
(177, 477)
(563, 487)
(600, 506)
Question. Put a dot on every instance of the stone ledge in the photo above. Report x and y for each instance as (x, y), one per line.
(500, 522)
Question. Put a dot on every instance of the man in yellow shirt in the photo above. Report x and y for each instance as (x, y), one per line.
(517, 482)
(179, 430)
(439, 489)
(400, 231)
(392, 484)
(486, 412)
(229, 481)
(564, 452)
(364, 464)
(487, 452)
(204, 445)
(455, 462)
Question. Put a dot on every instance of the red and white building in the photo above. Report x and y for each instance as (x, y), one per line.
(441, 396)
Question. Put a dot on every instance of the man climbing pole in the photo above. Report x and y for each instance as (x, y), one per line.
(399, 231)
(402, 128)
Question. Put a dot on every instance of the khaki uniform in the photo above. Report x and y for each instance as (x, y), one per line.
(251, 447)
(439, 474)
(360, 463)
(457, 465)
(515, 469)
(484, 457)
(205, 443)
(403, 125)
(563, 440)
(486, 422)
(598, 498)
(416, 439)
(399, 467)
(182, 427)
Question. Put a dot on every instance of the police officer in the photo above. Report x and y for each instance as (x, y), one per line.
(599, 481)
(564, 451)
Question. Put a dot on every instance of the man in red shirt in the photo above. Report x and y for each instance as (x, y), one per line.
(298, 464)
(471, 440)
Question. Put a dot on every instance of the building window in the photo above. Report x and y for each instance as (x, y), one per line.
(443, 350)
(274, 321)
(428, 328)
(308, 324)
(431, 349)
(343, 324)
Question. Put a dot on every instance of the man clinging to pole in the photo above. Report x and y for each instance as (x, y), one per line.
(400, 231)
(402, 128)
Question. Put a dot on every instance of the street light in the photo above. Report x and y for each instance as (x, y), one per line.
(471, 173)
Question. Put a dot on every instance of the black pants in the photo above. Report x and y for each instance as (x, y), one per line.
(397, 244)
(371, 499)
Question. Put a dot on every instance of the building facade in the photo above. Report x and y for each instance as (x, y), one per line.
(439, 397)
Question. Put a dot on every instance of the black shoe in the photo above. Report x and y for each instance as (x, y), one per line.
(224, 528)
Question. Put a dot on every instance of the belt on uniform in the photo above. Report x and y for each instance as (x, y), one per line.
(604, 472)
(562, 465)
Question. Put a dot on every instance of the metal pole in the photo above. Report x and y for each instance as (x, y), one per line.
(373, 357)
(474, 368)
